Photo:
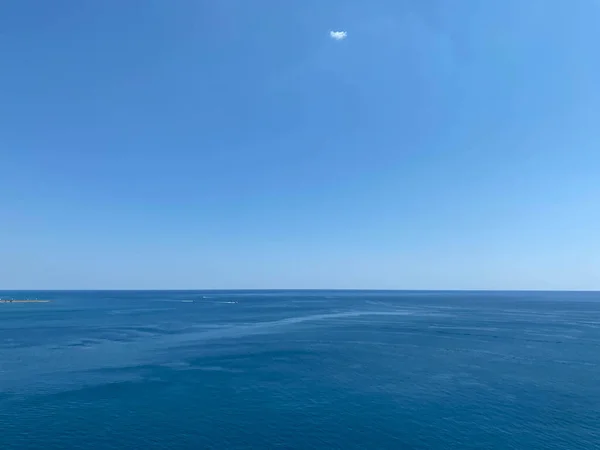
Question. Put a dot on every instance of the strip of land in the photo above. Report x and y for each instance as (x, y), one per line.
(24, 301)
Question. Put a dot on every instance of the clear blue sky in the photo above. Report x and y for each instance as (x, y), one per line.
(235, 144)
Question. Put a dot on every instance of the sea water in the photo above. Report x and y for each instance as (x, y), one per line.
(300, 370)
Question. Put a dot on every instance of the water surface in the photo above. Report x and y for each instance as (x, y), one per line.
(300, 370)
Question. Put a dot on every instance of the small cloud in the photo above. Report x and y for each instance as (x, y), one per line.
(338, 35)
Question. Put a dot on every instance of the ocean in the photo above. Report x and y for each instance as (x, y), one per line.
(300, 370)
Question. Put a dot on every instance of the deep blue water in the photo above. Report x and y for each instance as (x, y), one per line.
(300, 370)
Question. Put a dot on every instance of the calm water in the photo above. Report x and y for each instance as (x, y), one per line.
(300, 370)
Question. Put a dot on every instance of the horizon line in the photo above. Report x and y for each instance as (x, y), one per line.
(297, 290)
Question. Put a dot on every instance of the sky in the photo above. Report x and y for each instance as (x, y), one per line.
(225, 144)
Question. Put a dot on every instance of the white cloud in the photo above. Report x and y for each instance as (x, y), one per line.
(338, 35)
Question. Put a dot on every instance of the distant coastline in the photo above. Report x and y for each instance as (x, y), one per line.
(23, 301)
